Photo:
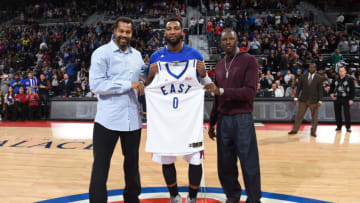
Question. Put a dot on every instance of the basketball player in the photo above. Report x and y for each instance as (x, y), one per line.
(175, 50)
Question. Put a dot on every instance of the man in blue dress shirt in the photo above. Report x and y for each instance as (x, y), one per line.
(114, 78)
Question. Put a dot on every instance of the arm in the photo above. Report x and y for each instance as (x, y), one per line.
(213, 119)
(299, 88)
(248, 91)
(100, 83)
(200, 68)
(151, 70)
(332, 87)
(352, 89)
(320, 89)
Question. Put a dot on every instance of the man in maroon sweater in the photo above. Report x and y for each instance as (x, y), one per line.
(236, 78)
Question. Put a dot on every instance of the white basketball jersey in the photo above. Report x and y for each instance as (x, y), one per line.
(175, 110)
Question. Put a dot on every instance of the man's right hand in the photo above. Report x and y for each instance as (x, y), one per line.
(138, 86)
(332, 97)
(212, 133)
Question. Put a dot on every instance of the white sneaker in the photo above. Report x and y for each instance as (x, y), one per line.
(176, 199)
(190, 200)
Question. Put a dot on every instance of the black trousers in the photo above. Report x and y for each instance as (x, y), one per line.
(22, 110)
(43, 105)
(10, 112)
(340, 103)
(33, 112)
(104, 141)
(236, 138)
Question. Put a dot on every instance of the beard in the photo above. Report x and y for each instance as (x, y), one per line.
(230, 51)
(173, 42)
(122, 44)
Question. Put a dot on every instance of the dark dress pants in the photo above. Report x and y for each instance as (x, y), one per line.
(340, 103)
(104, 141)
(236, 138)
(314, 110)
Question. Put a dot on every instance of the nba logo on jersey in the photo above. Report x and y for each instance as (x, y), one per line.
(175, 106)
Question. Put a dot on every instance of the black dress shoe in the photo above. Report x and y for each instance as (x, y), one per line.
(338, 129)
(292, 132)
(313, 134)
(348, 130)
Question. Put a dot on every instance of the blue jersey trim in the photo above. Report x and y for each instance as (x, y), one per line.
(177, 76)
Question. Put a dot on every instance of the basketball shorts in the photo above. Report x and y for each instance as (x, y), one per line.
(195, 158)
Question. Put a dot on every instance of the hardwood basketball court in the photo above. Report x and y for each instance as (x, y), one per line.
(45, 160)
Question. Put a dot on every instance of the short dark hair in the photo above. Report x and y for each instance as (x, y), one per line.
(174, 19)
(123, 19)
(343, 66)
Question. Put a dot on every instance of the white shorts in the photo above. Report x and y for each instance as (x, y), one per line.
(193, 159)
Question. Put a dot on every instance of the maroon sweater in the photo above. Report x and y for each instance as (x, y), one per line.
(239, 87)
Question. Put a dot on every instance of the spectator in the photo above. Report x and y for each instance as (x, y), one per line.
(44, 86)
(254, 46)
(33, 104)
(284, 64)
(5, 82)
(275, 91)
(21, 104)
(340, 19)
(269, 77)
(79, 92)
(16, 83)
(343, 46)
(55, 82)
(211, 73)
(290, 91)
(264, 84)
(31, 82)
(10, 109)
(201, 24)
(354, 45)
(279, 86)
(66, 86)
(296, 63)
(287, 77)
(1, 105)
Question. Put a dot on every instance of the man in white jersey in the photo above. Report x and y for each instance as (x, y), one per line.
(177, 51)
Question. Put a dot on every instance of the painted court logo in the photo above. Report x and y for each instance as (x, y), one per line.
(161, 195)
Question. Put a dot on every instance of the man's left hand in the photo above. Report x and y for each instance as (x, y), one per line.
(351, 102)
(200, 67)
(318, 105)
(212, 88)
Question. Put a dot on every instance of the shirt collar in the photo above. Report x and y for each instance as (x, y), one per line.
(114, 47)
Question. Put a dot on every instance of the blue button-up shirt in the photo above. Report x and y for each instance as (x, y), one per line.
(111, 74)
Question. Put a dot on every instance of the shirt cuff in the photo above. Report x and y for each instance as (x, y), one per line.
(320, 102)
(206, 80)
(124, 85)
(295, 99)
(221, 90)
